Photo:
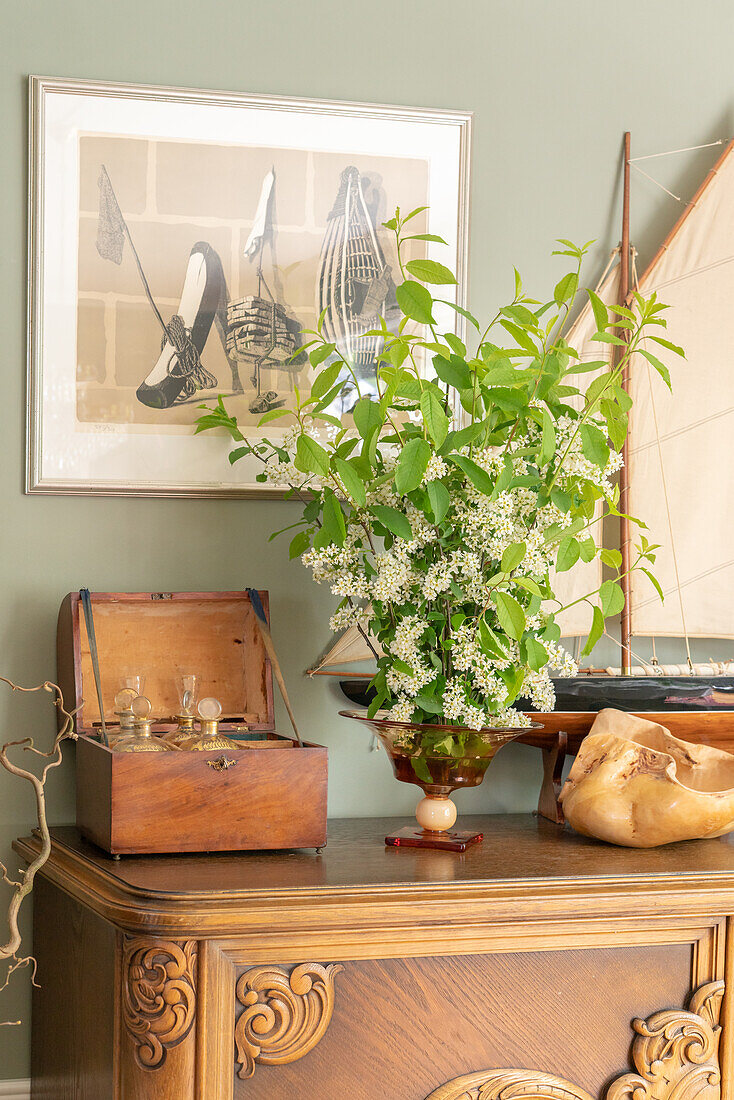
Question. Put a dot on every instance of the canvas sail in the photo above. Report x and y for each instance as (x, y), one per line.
(681, 474)
(349, 648)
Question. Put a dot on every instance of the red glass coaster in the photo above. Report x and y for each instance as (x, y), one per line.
(456, 841)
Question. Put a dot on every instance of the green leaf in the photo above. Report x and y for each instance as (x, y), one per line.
(601, 313)
(333, 518)
(367, 416)
(566, 288)
(659, 367)
(537, 654)
(429, 703)
(568, 554)
(396, 352)
(612, 598)
(311, 458)
(393, 520)
(597, 629)
(513, 679)
(465, 436)
(440, 499)
(412, 465)
(434, 417)
(454, 372)
(512, 556)
(478, 477)
(461, 311)
(420, 767)
(272, 414)
(425, 237)
(323, 382)
(518, 334)
(323, 351)
(413, 213)
(654, 581)
(299, 545)
(456, 345)
(594, 445)
(428, 271)
(490, 642)
(521, 314)
(596, 387)
(510, 614)
(528, 584)
(552, 631)
(238, 453)
(616, 420)
(588, 550)
(611, 557)
(415, 302)
(548, 444)
(609, 338)
(667, 344)
(351, 481)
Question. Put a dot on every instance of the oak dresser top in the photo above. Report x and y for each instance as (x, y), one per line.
(525, 869)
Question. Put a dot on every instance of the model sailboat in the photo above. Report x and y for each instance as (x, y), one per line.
(678, 476)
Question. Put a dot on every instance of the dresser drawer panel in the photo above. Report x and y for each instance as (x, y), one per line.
(402, 1027)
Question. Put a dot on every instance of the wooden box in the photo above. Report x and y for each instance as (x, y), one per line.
(273, 795)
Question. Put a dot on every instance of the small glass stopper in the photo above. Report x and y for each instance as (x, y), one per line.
(209, 738)
(209, 709)
(142, 739)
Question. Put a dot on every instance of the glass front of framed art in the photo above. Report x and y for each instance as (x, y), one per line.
(180, 242)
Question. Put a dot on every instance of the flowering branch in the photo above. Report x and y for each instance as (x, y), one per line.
(447, 535)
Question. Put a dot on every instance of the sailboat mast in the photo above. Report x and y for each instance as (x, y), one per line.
(624, 532)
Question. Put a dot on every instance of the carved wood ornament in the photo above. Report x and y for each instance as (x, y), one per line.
(676, 1054)
(286, 1014)
(158, 996)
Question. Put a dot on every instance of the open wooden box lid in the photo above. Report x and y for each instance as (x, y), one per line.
(157, 635)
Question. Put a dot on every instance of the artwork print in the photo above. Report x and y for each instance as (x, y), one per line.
(198, 258)
(185, 293)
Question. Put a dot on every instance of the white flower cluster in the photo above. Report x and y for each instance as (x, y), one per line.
(576, 464)
(394, 578)
(402, 711)
(342, 567)
(346, 616)
(416, 584)
(467, 656)
(405, 646)
(435, 470)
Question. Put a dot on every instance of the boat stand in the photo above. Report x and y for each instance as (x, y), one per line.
(554, 757)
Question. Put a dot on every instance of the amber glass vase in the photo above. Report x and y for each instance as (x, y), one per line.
(438, 759)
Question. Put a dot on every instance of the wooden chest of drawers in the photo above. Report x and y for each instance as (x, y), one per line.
(538, 964)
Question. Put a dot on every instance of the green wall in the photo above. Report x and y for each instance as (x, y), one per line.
(553, 87)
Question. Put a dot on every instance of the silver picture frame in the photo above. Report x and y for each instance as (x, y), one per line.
(106, 458)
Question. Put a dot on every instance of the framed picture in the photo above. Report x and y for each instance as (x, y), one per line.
(180, 241)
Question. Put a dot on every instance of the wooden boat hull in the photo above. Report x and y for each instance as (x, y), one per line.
(580, 698)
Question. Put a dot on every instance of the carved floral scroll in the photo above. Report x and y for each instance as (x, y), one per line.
(285, 1014)
(675, 1053)
(158, 996)
(509, 1084)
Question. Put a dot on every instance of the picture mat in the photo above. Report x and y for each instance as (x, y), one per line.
(64, 459)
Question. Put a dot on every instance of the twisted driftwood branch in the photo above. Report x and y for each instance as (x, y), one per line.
(21, 887)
